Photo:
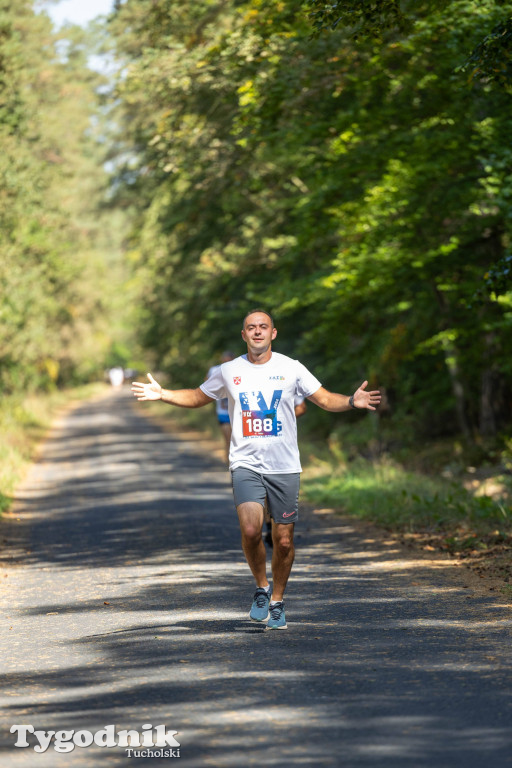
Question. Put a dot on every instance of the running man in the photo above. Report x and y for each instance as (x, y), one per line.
(261, 387)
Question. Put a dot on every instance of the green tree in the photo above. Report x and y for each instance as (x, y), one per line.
(55, 264)
(359, 188)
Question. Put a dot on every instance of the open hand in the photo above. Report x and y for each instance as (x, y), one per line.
(151, 391)
(368, 400)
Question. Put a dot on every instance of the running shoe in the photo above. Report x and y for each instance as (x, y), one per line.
(259, 608)
(277, 619)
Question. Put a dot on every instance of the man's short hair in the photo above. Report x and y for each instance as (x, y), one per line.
(263, 311)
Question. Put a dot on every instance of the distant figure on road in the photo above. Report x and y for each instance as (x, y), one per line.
(221, 405)
(261, 387)
(116, 376)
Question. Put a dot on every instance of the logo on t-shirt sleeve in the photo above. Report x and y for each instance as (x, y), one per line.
(259, 419)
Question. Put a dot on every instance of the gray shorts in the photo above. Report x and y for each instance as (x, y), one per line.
(281, 492)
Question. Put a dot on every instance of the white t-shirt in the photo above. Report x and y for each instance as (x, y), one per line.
(261, 402)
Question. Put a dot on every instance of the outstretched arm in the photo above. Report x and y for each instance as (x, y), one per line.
(184, 398)
(331, 401)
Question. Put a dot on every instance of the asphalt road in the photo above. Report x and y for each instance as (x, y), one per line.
(125, 599)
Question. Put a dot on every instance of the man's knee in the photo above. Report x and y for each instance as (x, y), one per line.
(251, 533)
(283, 539)
(251, 520)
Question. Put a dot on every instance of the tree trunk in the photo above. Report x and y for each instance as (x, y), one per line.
(487, 419)
(450, 357)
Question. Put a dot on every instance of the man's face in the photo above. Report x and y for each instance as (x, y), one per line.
(258, 332)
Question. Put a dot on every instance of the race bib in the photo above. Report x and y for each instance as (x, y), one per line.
(260, 421)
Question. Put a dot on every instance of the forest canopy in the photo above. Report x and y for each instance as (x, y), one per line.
(351, 174)
(60, 265)
(346, 165)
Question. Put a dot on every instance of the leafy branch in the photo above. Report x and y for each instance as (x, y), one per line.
(367, 18)
(491, 59)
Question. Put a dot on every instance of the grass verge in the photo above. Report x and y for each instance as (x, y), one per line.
(420, 510)
(400, 500)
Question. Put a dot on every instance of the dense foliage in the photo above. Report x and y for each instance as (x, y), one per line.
(345, 164)
(57, 251)
(360, 187)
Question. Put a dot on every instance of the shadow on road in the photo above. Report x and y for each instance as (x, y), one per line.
(130, 602)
